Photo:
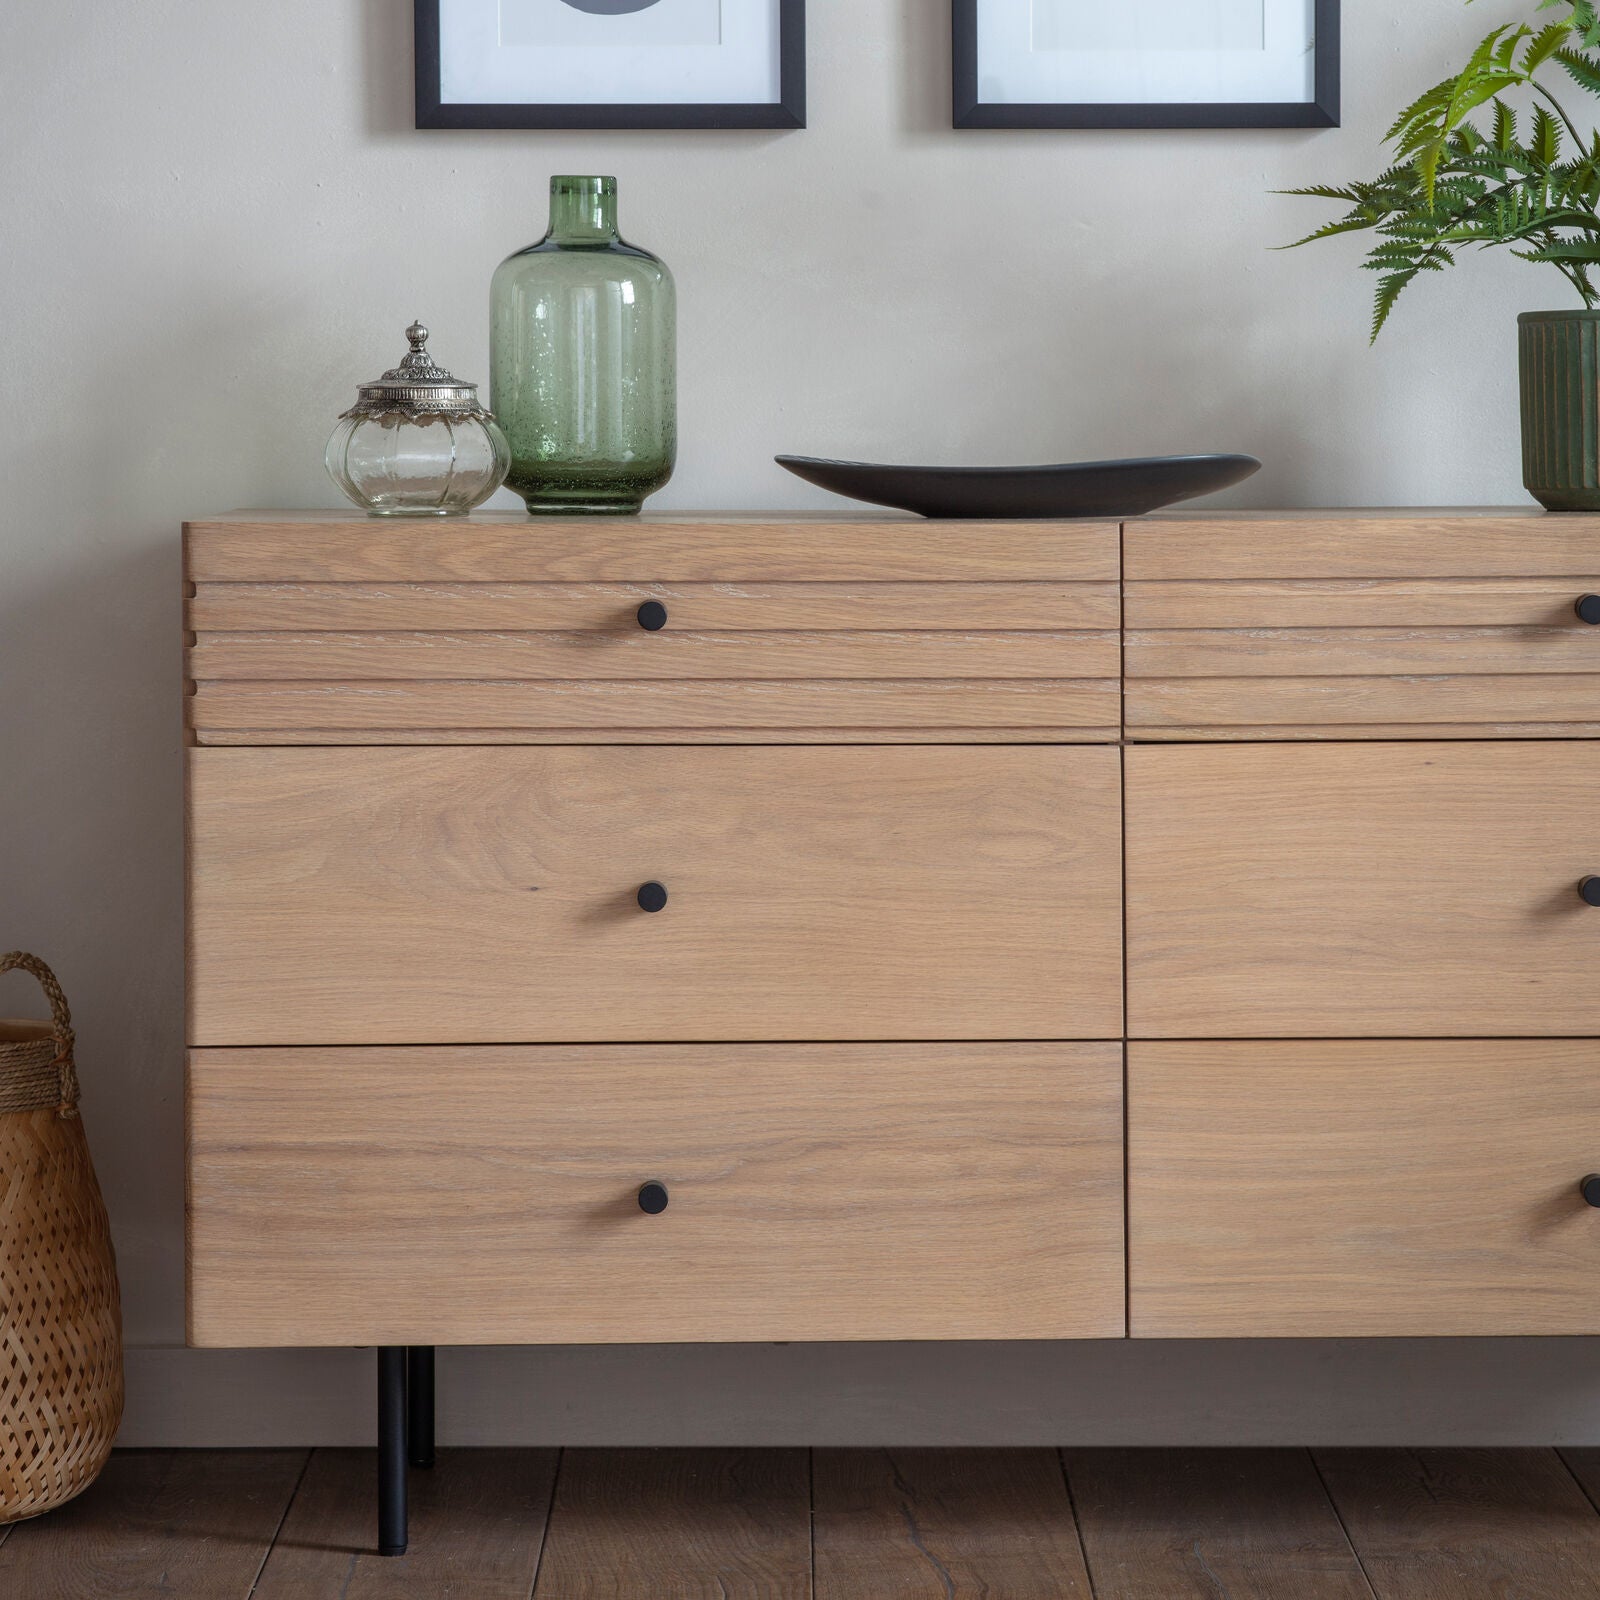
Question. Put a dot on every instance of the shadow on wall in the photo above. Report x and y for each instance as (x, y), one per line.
(1084, 365)
(91, 796)
(1095, 361)
(388, 63)
(925, 68)
(1108, 1392)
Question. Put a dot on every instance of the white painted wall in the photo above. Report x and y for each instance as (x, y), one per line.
(217, 219)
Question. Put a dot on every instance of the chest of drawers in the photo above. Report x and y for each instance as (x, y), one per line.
(720, 928)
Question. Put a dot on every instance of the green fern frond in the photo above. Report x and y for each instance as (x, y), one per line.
(1421, 109)
(1464, 176)
(1328, 230)
(1581, 68)
(1543, 46)
(1546, 139)
(1585, 22)
(1389, 290)
(1586, 251)
(1323, 191)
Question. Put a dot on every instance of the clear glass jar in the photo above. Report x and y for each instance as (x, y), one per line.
(583, 361)
(417, 443)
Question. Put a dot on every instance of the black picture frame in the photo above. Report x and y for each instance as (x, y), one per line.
(788, 111)
(1321, 111)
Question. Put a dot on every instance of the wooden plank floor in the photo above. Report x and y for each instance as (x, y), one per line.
(830, 1525)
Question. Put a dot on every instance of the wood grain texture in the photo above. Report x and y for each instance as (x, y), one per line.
(181, 1524)
(351, 710)
(679, 1525)
(1392, 732)
(1360, 602)
(477, 1529)
(1411, 1188)
(1466, 1524)
(312, 547)
(1439, 1525)
(1295, 657)
(490, 1196)
(1200, 1524)
(909, 1524)
(1471, 703)
(1454, 543)
(460, 896)
(522, 657)
(1320, 891)
(695, 607)
(1364, 652)
(1107, 733)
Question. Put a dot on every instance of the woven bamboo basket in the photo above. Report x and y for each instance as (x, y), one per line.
(60, 1312)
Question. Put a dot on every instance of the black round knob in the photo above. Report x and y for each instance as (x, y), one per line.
(1590, 890)
(652, 897)
(653, 1199)
(653, 616)
(1590, 1189)
(1588, 609)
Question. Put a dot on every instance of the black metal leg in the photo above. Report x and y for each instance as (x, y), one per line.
(392, 1450)
(419, 1404)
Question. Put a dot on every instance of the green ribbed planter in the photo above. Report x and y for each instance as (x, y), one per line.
(1560, 353)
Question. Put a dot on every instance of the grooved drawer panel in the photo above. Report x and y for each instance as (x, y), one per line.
(1412, 603)
(1314, 891)
(331, 547)
(1533, 706)
(1568, 648)
(1037, 711)
(488, 895)
(1272, 656)
(487, 1196)
(612, 608)
(1457, 542)
(1326, 1190)
(506, 657)
(323, 632)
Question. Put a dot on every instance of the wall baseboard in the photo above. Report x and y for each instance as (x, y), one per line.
(1247, 1392)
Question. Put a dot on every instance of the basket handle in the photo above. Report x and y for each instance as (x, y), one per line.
(60, 1019)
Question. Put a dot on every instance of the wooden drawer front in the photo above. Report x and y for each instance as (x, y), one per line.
(1363, 1188)
(1313, 891)
(816, 1192)
(488, 895)
(1453, 543)
(1292, 636)
(491, 632)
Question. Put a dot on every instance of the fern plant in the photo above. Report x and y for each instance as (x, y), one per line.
(1469, 175)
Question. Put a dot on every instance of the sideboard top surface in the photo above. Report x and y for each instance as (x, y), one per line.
(247, 516)
(720, 548)
(875, 547)
(1470, 542)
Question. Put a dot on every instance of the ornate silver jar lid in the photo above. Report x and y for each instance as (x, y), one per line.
(418, 389)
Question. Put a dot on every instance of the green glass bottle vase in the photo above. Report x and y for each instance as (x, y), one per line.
(583, 364)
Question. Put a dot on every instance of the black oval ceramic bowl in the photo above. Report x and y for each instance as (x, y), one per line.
(1080, 489)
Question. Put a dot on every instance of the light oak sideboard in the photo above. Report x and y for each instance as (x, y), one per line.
(718, 928)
